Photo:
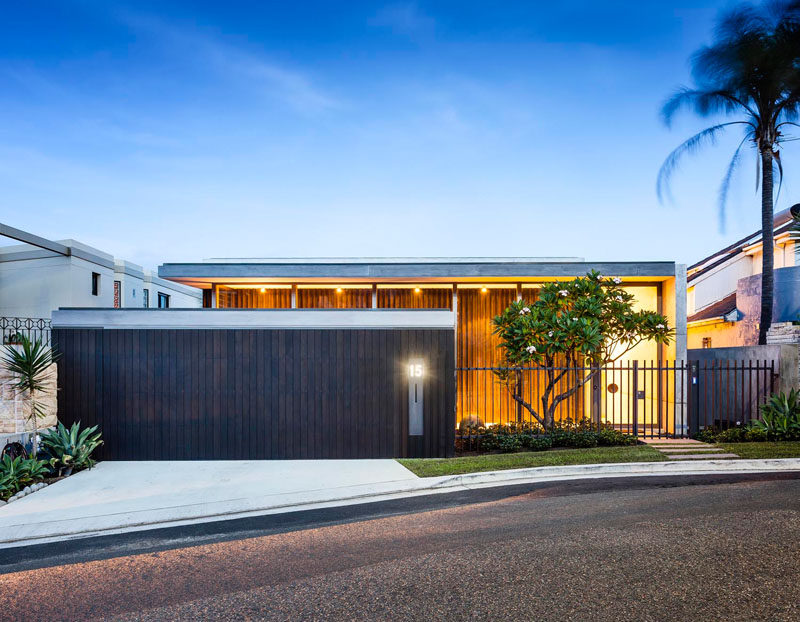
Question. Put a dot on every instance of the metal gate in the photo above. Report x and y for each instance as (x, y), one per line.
(649, 399)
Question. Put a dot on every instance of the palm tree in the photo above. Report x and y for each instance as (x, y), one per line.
(750, 72)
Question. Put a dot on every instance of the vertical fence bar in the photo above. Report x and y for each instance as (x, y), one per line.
(635, 394)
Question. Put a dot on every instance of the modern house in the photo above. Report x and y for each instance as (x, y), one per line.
(39, 275)
(473, 289)
(724, 289)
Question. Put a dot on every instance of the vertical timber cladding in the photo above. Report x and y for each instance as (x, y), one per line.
(235, 394)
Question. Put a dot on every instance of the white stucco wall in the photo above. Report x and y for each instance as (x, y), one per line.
(34, 282)
(35, 287)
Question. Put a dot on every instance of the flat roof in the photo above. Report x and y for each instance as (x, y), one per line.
(409, 269)
(187, 319)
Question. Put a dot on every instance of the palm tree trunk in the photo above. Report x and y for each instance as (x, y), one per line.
(768, 246)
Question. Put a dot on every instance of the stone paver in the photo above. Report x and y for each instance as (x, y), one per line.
(686, 448)
(704, 456)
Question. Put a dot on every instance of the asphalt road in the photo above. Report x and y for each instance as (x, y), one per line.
(646, 549)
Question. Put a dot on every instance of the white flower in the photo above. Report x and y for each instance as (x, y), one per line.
(550, 334)
(659, 326)
(618, 298)
(563, 292)
(617, 280)
(531, 349)
(524, 310)
(574, 319)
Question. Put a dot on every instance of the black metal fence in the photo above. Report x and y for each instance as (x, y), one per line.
(649, 399)
(12, 328)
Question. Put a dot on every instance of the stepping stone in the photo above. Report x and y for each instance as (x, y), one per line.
(672, 447)
(686, 445)
(688, 450)
(669, 441)
(705, 456)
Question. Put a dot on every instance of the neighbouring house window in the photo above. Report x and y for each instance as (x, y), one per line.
(163, 301)
(146, 298)
(95, 284)
(706, 342)
(117, 293)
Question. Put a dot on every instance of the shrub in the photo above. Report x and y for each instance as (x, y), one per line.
(19, 472)
(755, 435)
(536, 443)
(780, 417)
(609, 436)
(706, 436)
(509, 443)
(731, 435)
(71, 450)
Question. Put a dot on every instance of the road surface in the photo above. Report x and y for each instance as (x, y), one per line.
(723, 548)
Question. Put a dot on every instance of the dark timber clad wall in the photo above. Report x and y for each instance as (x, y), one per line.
(163, 394)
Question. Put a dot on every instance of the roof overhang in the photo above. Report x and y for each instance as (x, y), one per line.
(204, 274)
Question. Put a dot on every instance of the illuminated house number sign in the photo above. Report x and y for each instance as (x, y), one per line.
(415, 370)
(416, 410)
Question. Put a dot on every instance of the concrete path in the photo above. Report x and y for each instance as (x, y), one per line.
(117, 497)
(687, 449)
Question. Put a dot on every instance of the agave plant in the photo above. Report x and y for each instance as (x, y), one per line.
(30, 362)
(71, 449)
(19, 472)
(780, 416)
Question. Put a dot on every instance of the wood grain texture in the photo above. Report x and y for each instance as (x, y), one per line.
(256, 393)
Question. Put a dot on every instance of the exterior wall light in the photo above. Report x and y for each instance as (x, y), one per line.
(417, 290)
(263, 290)
(338, 290)
(484, 290)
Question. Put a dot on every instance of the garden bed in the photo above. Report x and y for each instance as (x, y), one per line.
(431, 467)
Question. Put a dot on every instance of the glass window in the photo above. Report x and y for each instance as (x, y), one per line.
(95, 284)
(163, 301)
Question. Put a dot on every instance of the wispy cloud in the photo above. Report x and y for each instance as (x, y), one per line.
(404, 18)
(290, 85)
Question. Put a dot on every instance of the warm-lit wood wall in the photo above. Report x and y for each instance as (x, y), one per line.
(407, 298)
(270, 298)
(312, 298)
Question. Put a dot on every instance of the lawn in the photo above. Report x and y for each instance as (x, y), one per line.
(786, 449)
(430, 467)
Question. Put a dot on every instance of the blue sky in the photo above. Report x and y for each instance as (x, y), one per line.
(168, 131)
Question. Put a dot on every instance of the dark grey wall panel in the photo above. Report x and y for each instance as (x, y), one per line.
(235, 394)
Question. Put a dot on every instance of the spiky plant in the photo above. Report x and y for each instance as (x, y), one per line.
(750, 72)
(30, 363)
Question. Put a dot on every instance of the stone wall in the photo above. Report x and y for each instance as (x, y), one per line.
(15, 408)
(787, 335)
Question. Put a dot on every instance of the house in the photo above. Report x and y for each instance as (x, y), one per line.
(474, 289)
(39, 275)
(348, 358)
(724, 289)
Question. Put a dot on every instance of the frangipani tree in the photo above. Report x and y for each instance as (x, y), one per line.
(589, 322)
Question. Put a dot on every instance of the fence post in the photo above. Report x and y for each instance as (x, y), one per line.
(596, 395)
(636, 398)
(694, 398)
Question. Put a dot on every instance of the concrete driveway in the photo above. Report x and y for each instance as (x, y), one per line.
(126, 495)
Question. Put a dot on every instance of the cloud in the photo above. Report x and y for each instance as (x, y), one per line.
(291, 86)
(404, 19)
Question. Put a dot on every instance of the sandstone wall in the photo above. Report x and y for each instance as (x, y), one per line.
(15, 407)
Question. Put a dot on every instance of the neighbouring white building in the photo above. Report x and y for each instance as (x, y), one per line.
(724, 289)
(40, 275)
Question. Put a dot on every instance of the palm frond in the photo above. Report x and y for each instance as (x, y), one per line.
(687, 147)
(726, 182)
(704, 103)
